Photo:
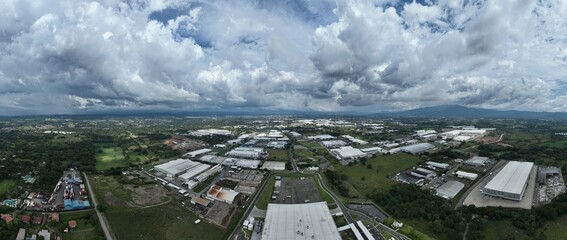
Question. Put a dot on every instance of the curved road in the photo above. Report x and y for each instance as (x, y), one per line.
(103, 222)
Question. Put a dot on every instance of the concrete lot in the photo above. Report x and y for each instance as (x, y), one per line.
(298, 190)
(480, 200)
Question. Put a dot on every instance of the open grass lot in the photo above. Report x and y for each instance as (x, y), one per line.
(277, 154)
(104, 184)
(107, 158)
(169, 221)
(303, 153)
(502, 229)
(556, 229)
(417, 229)
(311, 144)
(137, 158)
(376, 177)
(266, 194)
(6, 185)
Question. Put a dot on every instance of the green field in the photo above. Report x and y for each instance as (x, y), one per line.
(376, 178)
(266, 194)
(107, 158)
(103, 184)
(500, 229)
(84, 230)
(302, 154)
(169, 221)
(137, 158)
(6, 185)
(277, 154)
(556, 229)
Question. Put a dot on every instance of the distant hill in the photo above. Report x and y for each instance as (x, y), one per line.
(457, 111)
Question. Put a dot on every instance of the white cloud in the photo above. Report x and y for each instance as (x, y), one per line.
(71, 55)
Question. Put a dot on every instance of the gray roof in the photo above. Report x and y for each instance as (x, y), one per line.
(299, 221)
(450, 189)
(418, 147)
(512, 178)
(476, 160)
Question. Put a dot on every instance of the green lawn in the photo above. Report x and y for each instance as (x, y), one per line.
(102, 184)
(556, 229)
(302, 154)
(377, 177)
(277, 154)
(84, 230)
(266, 194)
(137, 158)
(111, 157)
(169, 221)
(6, 185)
(311, 145)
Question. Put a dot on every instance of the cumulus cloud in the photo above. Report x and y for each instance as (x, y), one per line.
(69, 56)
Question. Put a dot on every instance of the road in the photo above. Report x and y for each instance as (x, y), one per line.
(101, 218)
(236, 230)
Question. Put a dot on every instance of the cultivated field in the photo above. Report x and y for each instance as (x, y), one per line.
(107, 158)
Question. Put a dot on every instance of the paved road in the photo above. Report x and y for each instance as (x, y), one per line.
(236, 230)
(103, 222)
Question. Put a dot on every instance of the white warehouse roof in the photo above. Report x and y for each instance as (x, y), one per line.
(417, 148)
(176, 167)
(510, 180)
(348, 152)
(299, 221)
(450, 189)
(194, 171)
(198, 152)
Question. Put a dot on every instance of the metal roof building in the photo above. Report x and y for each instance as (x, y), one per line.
(466, 175)
(197, 152)
(175, 167)
(333, 143)
(450, 189)
(299, 221)
(510, 182)
(346, 153)
(477, 161)
(418, 148)
(194, 171)
(274, 165)
(438, 165)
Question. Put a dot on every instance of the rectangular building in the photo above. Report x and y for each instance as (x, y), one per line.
(510, 182)
(197, 152)
(466, 175)
(450, 189)
(348, 153)
(175, 168)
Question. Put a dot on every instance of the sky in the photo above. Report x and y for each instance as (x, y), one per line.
(74, 56)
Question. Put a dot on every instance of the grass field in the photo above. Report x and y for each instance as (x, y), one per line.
(201, 186)
(107, 158)
(277, 154)
(266, 194)
(302, 154)
(169, 221)
(556, 229)
(376, 177)
(502, 229)
(84, 229)
(311, 145)
(6, 185)
(137, 158)
(102, 184)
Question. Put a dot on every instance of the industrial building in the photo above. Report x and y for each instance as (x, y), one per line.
(348, 153)
(193, 171)
(246, 152)
(436, 165)
(466, 175)
(372, 150)
(477, 161)
(299, 222)
(203, 176)
(197, 152)
(277, 144)
(321, 137)
(210, 132)
(510, 182)
(355, 140)
(176, 167)
(545, 172)
(423, 173)
(221, 194)
(417, 148)
(274, 166)
(449, 189)
(334, 143)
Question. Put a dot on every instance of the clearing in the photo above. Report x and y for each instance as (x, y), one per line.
(107, 158)
(6, 185)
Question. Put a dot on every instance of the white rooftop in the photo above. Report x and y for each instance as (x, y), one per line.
(511, 178)
(348, 152)
(299, 221)
(274, 165)
(175, 167)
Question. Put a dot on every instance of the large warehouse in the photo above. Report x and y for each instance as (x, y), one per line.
(177, 167)
(510, 182)
(449, 189)
(417, 148)
(299, 221)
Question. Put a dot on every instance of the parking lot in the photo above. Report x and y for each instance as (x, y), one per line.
(297, 190)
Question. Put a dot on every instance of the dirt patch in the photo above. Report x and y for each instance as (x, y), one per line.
(221, 213)
(114, 201)
(225, 183)
(183, 144)
(148, 194)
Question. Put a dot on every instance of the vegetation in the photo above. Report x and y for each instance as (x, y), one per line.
(277, 154)
(266, 195)
(6, 185)
(112, 157)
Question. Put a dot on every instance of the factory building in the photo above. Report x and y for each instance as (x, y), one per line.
(203, 176)
(177, 167)
(423, 173)
(466, 175)
(449, 189)
(417, 148)
(510, 182)
(436, 165)
(197, 152)
(334, 143)
(193, 171)
(273, 166)
(321, 137)
(372, 150)
(477, 161)
(277, 144)
(246, 152)
(221, 194)
(355, 140)
(299, 222)
(348, 153)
